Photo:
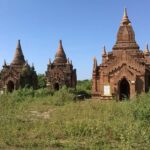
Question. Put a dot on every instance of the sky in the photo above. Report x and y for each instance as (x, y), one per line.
(84, 26)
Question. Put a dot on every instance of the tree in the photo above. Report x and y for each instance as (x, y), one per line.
(41, 81)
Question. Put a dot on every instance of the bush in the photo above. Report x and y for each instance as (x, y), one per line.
(64, 95)
(41, 81)
(83, 89)
(85, 85)
(142, 109)
(42, 92)
(22, 94)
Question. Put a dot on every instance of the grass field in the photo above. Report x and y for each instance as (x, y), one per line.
(42, 121)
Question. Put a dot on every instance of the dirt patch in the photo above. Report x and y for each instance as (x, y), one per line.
(44, 115)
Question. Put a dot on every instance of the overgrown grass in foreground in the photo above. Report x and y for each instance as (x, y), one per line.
(43, 120)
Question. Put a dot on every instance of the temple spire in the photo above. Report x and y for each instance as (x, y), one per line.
(147, 47)
(125, 12)
(33, 68)
(125, 36)
(18, 45)
(146, 50)
(104, 51)
(104, 55)
(18, 57)
(49, 61)
(94, 63)
(5, 64)
(60, 56)
(68, 62)
(125, 19)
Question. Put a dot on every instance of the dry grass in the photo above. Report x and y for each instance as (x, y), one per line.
(39, 123)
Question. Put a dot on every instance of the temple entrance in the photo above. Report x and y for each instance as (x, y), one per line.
(56, 86)
(10, 86)
(124, 89)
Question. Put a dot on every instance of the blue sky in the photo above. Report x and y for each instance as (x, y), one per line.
(84, 26)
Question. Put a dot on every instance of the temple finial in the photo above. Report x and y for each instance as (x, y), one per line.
(5, 64)
(104, 51)
(68, 62)
(18, 45)
(60, 43)
(18, 57)
(146, 50)
(147, 47)
(94, 63)
(125, 19)
(60, 56)
(125, 12)
(33, 68)
(60, 46)
(49, 62)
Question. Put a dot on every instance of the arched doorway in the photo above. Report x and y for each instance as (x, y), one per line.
(124, 89)
(56, 86)
(10, 86)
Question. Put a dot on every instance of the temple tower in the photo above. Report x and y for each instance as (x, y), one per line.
(60, 72)
(125, 71)
(18, 74)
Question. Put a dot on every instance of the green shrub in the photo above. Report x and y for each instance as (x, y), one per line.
(41, 81)
(43, 92)
(22, 94)
(142, 108)
(85, 85)
(62, 96)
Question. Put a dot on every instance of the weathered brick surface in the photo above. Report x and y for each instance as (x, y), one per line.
(126, 69)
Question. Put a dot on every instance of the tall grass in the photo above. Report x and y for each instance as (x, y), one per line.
(48, 120)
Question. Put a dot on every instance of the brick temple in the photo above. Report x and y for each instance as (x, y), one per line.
(125, 71)
(18, 74)
(60, 72)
